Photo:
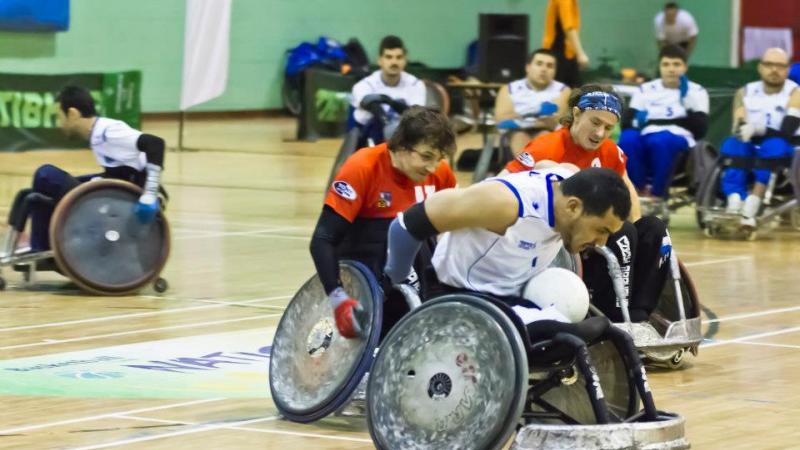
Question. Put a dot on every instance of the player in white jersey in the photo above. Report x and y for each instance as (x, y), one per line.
(766, 116)
(498, 234)
(123, 152)
(392, 81)
(535, 102)
(666, 116)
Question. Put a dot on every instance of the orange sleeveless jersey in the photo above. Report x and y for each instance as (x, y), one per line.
(367, 186)
(558, 146)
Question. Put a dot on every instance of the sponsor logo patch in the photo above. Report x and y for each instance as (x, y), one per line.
(526, 159)
(344, 190)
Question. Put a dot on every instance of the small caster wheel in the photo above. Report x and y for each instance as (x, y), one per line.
(677, 359)
(751, 235)
(160, 285)
(709, 231)
(2, 284)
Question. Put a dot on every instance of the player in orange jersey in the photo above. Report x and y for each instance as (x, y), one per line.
(372, 186)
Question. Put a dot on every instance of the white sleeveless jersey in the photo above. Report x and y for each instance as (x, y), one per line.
(662, 102)
(409, 89)
(528, 101)
(480, 260)
(768, 109)
(114, 144)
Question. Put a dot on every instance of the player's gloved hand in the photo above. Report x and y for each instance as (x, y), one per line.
(750, 129)
(548, 109)
(683, 86)
(399, 105)
(147, 207)
(348, 313)
(508, 124)
(640, 119)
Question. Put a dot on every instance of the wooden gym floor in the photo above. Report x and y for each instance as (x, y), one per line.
(186, 369)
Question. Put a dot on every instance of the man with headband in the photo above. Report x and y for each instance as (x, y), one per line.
(672, 113)
(642, 245)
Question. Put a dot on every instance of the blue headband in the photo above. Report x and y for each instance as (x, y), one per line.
(600, 101)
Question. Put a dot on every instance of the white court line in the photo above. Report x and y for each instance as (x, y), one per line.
(754, 314)
(253, 233)
(217, 304)
(738, 340)
(244, 304)
(175, 433)
(716, 261)
(103, 416)
(145, 330)
(769, 344)
(257, 430)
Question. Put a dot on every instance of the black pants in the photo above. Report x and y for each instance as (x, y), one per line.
(645, 267)
(567, 71)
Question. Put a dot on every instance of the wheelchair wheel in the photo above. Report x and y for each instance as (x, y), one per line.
(313, 370)
(452, 374)
(707, 196)
(100, 244)
(571, 398)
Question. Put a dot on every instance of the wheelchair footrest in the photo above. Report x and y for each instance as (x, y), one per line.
(666, 433)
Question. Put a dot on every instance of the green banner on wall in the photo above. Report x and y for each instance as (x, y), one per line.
(28, 109)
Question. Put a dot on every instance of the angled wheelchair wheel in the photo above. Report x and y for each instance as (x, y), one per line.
(99, 243)
(313, 370)
(570, 400)
(451, 374)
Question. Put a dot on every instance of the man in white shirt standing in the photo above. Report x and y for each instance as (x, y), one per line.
(392, 81)
(675, 26)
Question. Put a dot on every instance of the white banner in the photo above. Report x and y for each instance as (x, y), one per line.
(206, 51)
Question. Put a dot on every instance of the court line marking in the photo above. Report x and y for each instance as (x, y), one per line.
(144, 330)
(753, 314)
(174, 433)
(216, 304)
(769, 344)
(111, 414)
(222, 233)
(741, 339)
(716, 261)
(257, 430)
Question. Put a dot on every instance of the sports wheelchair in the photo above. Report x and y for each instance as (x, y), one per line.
(97, 241)
(673, 328)
(459, 371)
(781, 201)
